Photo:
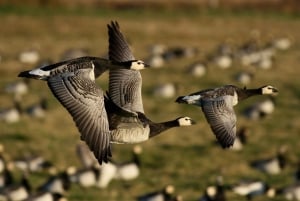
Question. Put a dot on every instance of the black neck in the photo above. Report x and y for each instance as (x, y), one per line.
(246, 93)
(157, 128)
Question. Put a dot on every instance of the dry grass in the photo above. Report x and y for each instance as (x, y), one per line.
(185, 157)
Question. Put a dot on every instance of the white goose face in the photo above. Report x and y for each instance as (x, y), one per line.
(185, 121)
(138, 65)
(269, 90)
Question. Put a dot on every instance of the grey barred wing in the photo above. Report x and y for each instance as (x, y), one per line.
(85, 102)
(222, 119)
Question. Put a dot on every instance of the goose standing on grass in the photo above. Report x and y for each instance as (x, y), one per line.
(130, 170)
(272, 165)
(73, 83)
(124, 96)
(164, 194)
(217, 106)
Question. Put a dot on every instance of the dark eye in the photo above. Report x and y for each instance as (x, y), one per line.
(139, 63)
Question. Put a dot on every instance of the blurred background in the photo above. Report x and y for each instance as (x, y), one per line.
(191, 45)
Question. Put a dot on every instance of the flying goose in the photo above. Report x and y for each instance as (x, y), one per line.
(124, 96)
(217, 106)
(73, 83)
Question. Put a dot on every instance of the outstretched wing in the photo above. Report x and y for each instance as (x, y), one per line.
(125, 85)
(85, 102)
(222, 119)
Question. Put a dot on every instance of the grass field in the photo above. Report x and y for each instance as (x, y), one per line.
(184, 157)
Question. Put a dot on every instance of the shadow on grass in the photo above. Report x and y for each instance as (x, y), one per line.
(14, 137)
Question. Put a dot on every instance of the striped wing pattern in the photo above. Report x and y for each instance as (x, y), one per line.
(221, 118)
(85, 102)
(125, 85)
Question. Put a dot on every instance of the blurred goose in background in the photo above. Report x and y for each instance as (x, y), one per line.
(253, 188)
(46, 196)
(197, 69)
(38, 110)
(214, 192)
(167, 90)
(165, 194)
(6, 177)
(72, 82)
(241, 139)
(260, 109)
(85, 155)
(107, 172)
(244, 78)
(86, 177)
(30, 56)
(11, 114)
(17, 192)
(33, 163)
(179, 52)
(217, 106)
(130, 170)
(291, 192)
(272, 165)
(58, 183)
(282, 43)
(17, 88)
(124, 103)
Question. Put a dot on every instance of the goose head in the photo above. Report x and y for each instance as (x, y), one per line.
(185, 121)
(137, 65)
(269, 90)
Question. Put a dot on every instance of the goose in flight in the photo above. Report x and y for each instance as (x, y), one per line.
(124, 98)
(217, 106)
(72, 82)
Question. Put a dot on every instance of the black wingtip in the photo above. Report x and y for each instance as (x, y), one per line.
(180, 100)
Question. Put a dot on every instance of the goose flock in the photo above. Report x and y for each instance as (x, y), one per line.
(116, 116)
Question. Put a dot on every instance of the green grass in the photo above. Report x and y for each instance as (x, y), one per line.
(184, 157)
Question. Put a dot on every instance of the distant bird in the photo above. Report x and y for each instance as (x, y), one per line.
(32, 163)
(86, 177)
(18, 89)
(217, 106)
(291, 192)
(17, 192)
(11, 114)
(124, 103)
(45, 196)
(38, 110)
(130, 170)
(197, 69)
(282, 43)
(59, 183)
(260, 109)
(244, 78)
(165, 194)
(241, 139)
(30, 56)
(253, 188)
(107, 171)
(272, 165)
(156, 61)
(167, 90)
(85, 155)
(214, 192)
(72, 82)
(6, 177)
(179, 52)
